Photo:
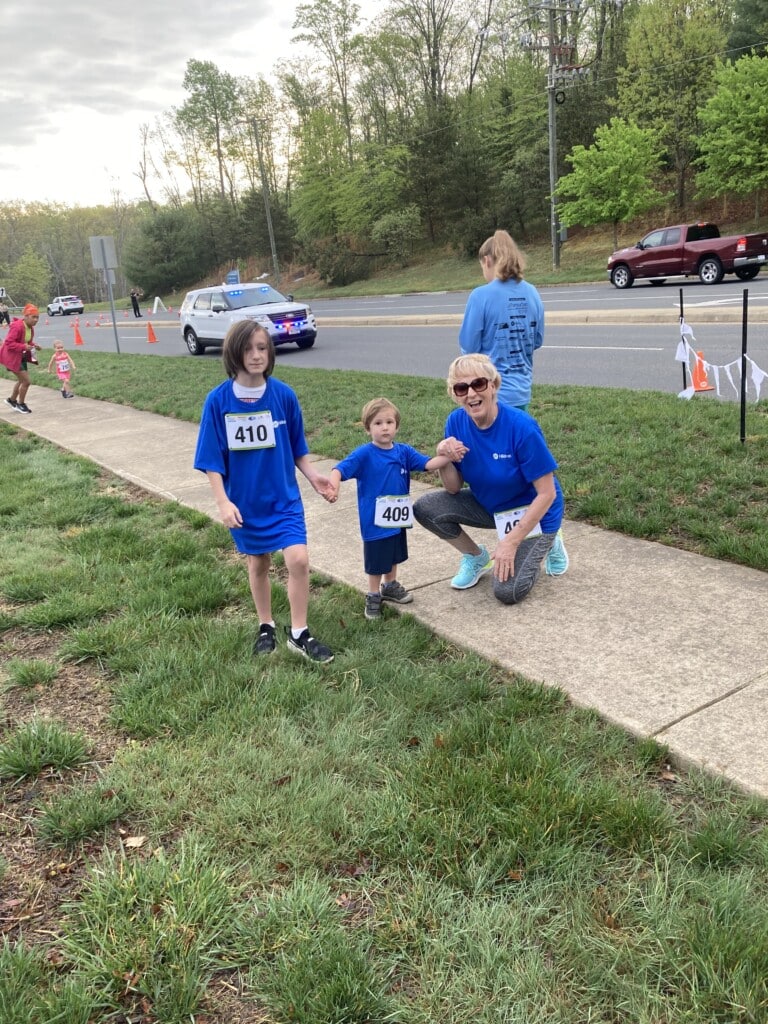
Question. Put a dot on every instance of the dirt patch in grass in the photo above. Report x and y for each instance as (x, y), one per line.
(37, 879)
(225, 1001)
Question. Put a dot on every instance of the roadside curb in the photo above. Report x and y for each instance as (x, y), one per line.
(757, 315)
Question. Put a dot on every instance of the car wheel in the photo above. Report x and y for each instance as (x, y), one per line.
(656, 281)
(711, 270)
(305, 343)
(193, 343)
(621, 276)
(747, 273)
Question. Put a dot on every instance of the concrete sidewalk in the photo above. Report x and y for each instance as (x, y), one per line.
(662, 642)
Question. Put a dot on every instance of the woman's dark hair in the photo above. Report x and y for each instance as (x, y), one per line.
(235, 343)
(508, 262)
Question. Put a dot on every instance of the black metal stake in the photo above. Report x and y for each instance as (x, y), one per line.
(684, 362)
(743, 426)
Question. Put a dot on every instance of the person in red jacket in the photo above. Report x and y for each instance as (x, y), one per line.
(19, 349)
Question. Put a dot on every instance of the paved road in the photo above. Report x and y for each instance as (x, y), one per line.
(576, 298)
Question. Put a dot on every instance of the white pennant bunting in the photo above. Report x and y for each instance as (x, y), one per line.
(686, 354)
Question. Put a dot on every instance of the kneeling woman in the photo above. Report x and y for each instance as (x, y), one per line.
(500, 452)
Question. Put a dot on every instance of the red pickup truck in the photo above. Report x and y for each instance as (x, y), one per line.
(686, 249)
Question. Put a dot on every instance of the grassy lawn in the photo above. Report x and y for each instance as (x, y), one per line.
(407, 835)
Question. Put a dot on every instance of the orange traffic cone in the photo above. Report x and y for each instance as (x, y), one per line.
(151, 336)
(87, 323)
(78, 336)
(700, 382)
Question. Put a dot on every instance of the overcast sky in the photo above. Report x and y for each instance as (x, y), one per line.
(77, 79)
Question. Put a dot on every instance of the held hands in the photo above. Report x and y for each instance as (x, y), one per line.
(325, 487)
(453, 448)
(230, 514)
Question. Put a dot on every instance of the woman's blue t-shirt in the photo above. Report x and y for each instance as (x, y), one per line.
(503, 461)
(504, 320)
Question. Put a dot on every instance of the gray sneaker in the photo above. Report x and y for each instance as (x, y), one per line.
(373, 606)
(396, 592)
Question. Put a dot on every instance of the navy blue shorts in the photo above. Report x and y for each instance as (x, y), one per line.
(380, 555)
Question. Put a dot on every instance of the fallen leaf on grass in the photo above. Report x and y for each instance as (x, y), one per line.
(10, 904)
(135, 842)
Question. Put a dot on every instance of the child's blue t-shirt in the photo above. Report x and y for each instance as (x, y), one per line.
(504, 320)
(260, 481)
(503, 461)
(379, 471)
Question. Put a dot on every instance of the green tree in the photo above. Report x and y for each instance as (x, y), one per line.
(671, 56)
(169, 251)
(749, 28)
(397, 231)
(612, 180)
(321, 167)
(329, 25)
(370, 189)
(29, 279)
(735, 119)
(210, 112)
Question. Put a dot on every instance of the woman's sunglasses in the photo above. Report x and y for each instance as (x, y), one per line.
(478, 385)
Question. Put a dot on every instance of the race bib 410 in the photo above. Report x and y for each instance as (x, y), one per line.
(248, 430)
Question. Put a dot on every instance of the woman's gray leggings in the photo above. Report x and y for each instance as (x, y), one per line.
(444, 514)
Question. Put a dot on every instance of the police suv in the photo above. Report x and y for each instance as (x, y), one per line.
(206, 315)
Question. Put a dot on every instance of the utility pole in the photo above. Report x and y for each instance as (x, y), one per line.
(562, 74)
(554, 223)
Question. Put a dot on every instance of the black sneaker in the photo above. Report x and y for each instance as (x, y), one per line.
(266, 641)
(22, 407)
(10, 401)
(308, 647)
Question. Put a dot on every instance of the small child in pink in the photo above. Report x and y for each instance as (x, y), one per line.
(64, 365)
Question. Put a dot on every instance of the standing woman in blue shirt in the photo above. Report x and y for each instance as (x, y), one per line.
(504, 320)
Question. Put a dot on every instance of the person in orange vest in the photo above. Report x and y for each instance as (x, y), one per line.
(17, 350)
